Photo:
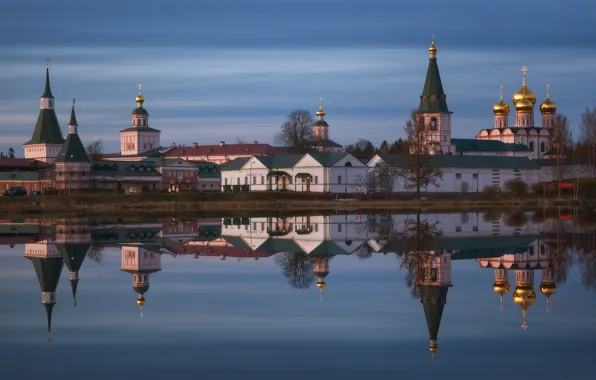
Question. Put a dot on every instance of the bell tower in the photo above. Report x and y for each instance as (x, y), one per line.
(433, 107)
(139, 138)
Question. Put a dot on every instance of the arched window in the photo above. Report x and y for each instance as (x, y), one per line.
(433, 124)
(542, 147)
(532, 146)
(348, 163)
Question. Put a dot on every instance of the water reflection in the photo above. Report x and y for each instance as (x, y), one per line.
(303, 247)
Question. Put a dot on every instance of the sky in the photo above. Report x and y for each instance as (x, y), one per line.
(234, 69)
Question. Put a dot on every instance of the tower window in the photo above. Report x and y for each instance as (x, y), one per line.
(532, 146)
(433, 98)
(542, 147)
(433, 124)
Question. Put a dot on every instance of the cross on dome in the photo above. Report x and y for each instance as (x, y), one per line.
(524, 71)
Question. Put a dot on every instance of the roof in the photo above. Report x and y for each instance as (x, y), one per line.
(433, 299)
(282, 161)
(47, 92)
(321, 123)
(236, 164)
(327, 143)
(72, 150)
(208, 169)
(254, 149)
(140, 111)
(145, 168)
(140, 129)
(328, 158)
(22, 163)
(73, 254)
(473, 145)
(514, 130)
(327, 249)
(48, 272)
(47, 130)
(155, 152)
(473, 162)
(433, 98)
(19, 176)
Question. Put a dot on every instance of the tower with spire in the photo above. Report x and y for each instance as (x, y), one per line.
(548, 286)
(47, 137)
(433, 107)
(73, 166)
(48, 264)
(320, 133)
(73, 241)
(139, 138)
(140, 262)
(434, 280)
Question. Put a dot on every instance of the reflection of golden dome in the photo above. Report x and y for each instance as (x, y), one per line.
(548, 289)
(524, 302)
(321, 285)
(501, 108)
(548, 106)
(524, 105)
(433, 349)
(501, 288)
(141, 301)
(523, 291)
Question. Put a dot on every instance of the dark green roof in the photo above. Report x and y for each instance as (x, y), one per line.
(237, 242)
(48, 272)
(471, 162)
(328, 158)
(433, 98)
(141, 289)
(433, 299)
(327, 249)
(47, 130)
(208, 169)
(280, 245)
(321, 123)
(144, 168)
(235, 164)
(140, 111)
(473, 145)
(47, 92)
(281, 161)
(73, 117)
(19, 176)
(72, 150)
(140, 129)
(73, 254)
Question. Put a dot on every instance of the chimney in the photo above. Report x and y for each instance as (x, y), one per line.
(222, 143)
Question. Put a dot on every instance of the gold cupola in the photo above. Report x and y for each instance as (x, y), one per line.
(432, 49)
(501, 108)
(548, 289)
(320, 111)
(140, 99)
(524, 105)
(524, 302)
(524, 92)
(548, 106)
(501, 288)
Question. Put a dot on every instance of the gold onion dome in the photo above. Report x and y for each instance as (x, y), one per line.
(321, 285)
(141, 301)
(523, 291)
(524, 302)
(548, 289)
(524, 105)
(320, 111)
(501, 108)
(432, 49)
(524, 92)
(548, 106)
(501, 288)
(140, 99)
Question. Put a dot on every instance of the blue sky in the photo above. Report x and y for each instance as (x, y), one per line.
(227, 69)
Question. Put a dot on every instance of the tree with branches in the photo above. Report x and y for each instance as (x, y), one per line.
(420, 170)
(297, 268)
(296, 131)
(94, 149)
(588, 138)
(561, 143)
(11, 152)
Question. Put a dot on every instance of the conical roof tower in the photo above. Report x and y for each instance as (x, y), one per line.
(48, 272)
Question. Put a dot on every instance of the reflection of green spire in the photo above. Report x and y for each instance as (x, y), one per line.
(48, 272)
(433, 299)
(73, 255)
(49, 307)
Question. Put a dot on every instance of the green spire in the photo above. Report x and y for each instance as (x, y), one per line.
(47, 93)
(433, 98)
(433, 299)
(73, 255)
(48, 272)
(73, 117)
(49, 307)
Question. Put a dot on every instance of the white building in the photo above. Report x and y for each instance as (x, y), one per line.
(334, 172)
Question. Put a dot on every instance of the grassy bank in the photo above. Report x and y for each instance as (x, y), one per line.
(222, 204)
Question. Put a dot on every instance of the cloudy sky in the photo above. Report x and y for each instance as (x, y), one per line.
(227, 69)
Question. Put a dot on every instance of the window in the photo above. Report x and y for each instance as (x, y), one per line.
(316, 180)
(458, 229)
(254, 180)
(542, 147)
(316, 227)
(238, 181)
(542, 249)
(433, 123)
(262, 180)
(188, 186)
(433, 274)
(532, 146)
(475, 176)
(458, 176)
(339, 227)
(226, 181)
(339, 180)
(290, 180)
(246, 180)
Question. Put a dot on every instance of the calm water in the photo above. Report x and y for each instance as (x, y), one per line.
(241, 298)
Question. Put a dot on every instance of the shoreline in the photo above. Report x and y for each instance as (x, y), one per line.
(258, 203)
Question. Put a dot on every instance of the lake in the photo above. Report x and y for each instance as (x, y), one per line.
(419, 295)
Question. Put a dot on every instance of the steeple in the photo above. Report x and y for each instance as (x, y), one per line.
(433, 98)
(73, 255)
(47, 93)
(321, 270)
(72, 124)
(320, 128)
(433, 299)
(48, 272)
(73, 150)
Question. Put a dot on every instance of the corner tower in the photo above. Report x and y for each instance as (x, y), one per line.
(47, 138)
(140, 137)
(433, 106)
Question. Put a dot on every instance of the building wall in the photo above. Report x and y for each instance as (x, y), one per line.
(135, 142)
(42, 152)
(74, 176)
(29, 185)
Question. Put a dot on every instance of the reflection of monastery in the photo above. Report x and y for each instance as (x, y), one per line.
(500, 242)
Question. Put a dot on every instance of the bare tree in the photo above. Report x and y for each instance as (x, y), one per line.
(588, 137)
(419, 170)
(388, 176)
(96, 253)
(10, 152)
(561, 143)
(94, 149)
(297, 268)
(241, 141)
(296, 131)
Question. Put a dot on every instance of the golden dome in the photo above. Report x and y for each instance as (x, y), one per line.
(432, 49)
(548, 106)
(524, 92)
(140, 301)
(524, 302)
(523, 291)
(320, 111)
(501, 108)
(548, 289)
(524, 105)
(501, 288)
(321, 285)
(140, 99)
(433, 349)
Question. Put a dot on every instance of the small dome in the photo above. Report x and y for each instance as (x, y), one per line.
(524, 105)
(548, 106)
(321, 284)
(524, 302)
(501, 288)
(524, 93)
(320, 111)
(501, 108)
(432, 49)
(523, 291)
(141, 301)
(140, 100)
(548, 289)
(140, 111)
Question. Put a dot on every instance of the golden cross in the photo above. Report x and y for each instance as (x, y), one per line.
(140, 88)
(433, 37)
(547, 90)
(501, 91)
(321, 102)
(524, 70)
